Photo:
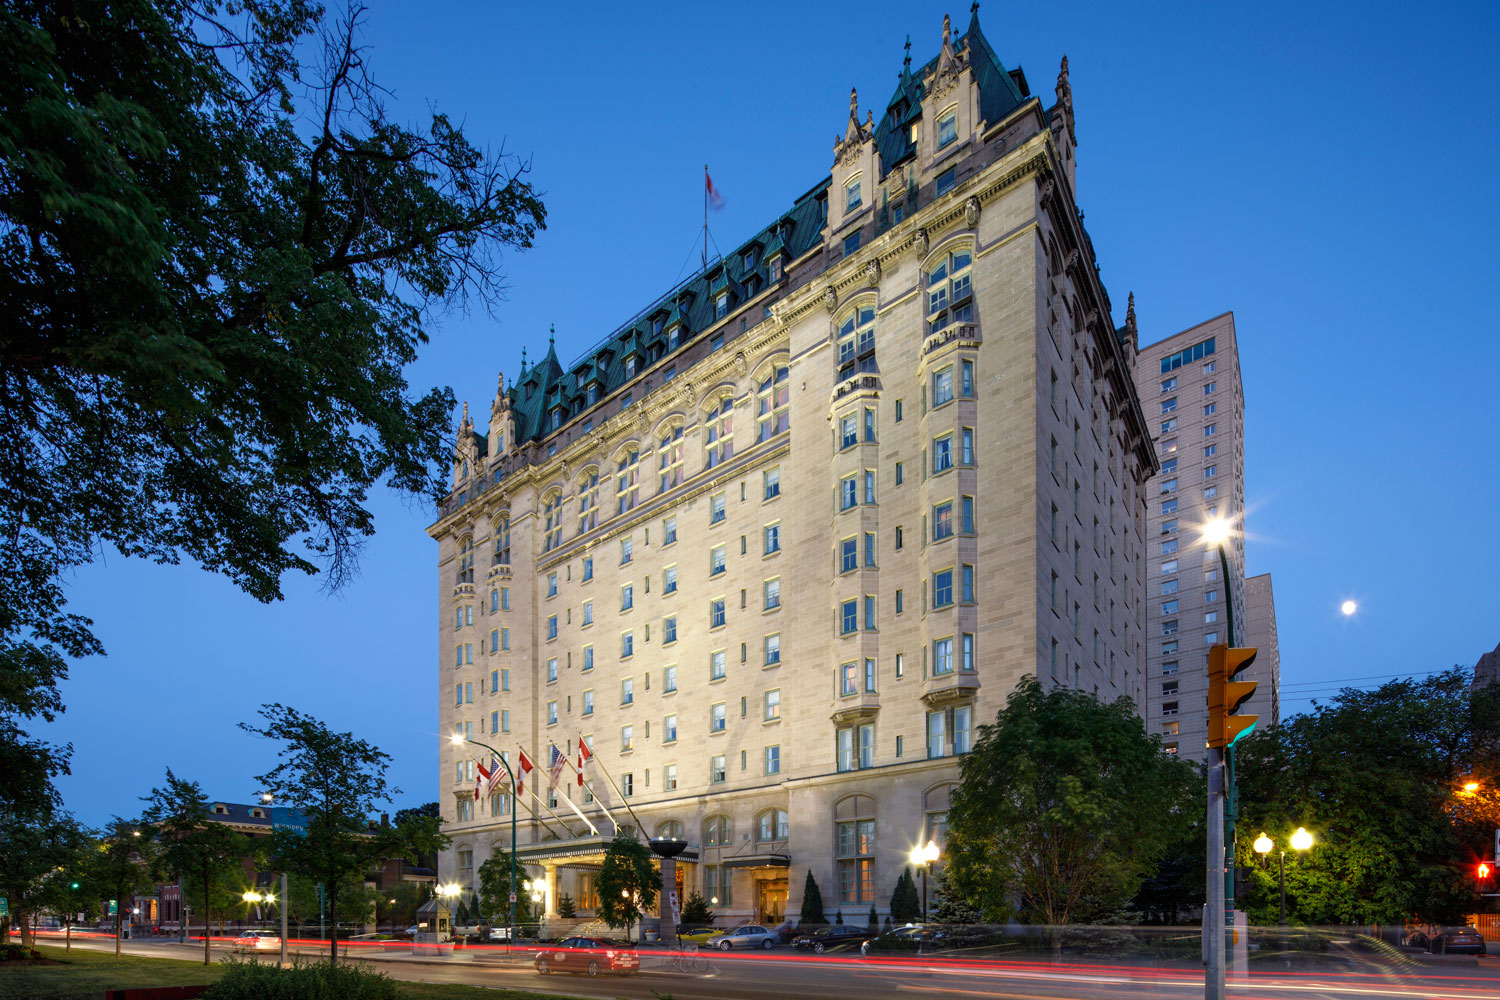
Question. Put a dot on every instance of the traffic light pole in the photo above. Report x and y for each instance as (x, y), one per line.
(1213, 910)
(1231, 793)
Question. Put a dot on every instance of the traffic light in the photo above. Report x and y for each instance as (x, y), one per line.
(73, 885)
(1226, 694)
(1483, 872)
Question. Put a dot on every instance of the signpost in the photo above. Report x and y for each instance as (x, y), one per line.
(286, 818)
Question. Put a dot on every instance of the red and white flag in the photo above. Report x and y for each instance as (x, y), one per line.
(556, 760)
(715, 199)
(583, 758)
(482, 779)
(521, 778)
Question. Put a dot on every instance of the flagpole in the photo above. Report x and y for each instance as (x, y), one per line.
(705, 244)
(601, 805)
(549, 808)
(573, 806)
(638, 824)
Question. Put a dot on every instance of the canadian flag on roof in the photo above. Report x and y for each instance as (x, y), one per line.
(715, 199)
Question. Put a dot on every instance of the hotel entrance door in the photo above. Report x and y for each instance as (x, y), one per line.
(771, 905)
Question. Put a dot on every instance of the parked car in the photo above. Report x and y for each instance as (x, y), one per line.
(839, 937)
(1449, 939)
(590, 955)
(699, 935)
(743, 936)
(911, 937)
(257, 941)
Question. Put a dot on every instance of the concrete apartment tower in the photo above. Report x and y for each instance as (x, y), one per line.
(1190, 385)
(1260, 632)
(777, 546)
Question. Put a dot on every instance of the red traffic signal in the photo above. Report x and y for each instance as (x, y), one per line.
(1484, 871)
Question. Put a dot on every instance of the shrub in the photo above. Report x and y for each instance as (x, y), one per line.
(250, 980)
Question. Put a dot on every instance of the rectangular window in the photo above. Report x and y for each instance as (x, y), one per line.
(870, 549)
(945, 181)
(627, 690)
(968, 584)
(772, 705)
(869, 613)
(942, 386)
(848, 555)
(963, 717)
(773, 649)
(771, 483)
(942, 656)
(942, 521)
(772, 538)
(588, 702)
(866, 746)
(716, 717)
(848, 431)
(718, 773)
(848, 617)
(1169, 546)
(848, 679)
(716, 665)
(869, 675)
(900, 601)
(627, 550)
(669, 580)
(869, 486)
(936, 734)
(716, 560)
(1210, 450)
(966, 446)
(773, 593)
(966, 379)
(627, 597)
(716, 616)
(1210, 471)
(588, 612)
(1168, 608)
(848, 493)
(716, 508)
(1169, 506)
(942, 453)
(1168, 405)
(552, 626)
(669, 530)
(966, 664)
(669, 777)
(669, 629)
(669, 679)
(869, 424)
(844, 750)
(942, 588)
(551, 713)
(773, 759)
(627, 737)
(551, 670)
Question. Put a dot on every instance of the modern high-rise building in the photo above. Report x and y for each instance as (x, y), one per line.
(778, 544)
(1190, 386)
(1260, 632)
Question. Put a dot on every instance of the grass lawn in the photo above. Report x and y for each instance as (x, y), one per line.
(85, 975)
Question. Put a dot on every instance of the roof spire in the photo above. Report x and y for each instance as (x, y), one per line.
(1130, 311)
(552, 336)
(523, 360)
(906, 63)
(947, 31)
(974, 9)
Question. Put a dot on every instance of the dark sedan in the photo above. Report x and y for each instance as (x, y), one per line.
(836, 938)
(590, 955)
(1452, 939)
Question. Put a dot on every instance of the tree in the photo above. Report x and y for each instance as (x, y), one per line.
(1064, 806)
(695, 912)
(39, 860)
(216, 260)
(461, 916)
(946, 905)
(566, 908)
(495, 887)
(906, 905)
(1377, 777)
(191, 845)
(812, 903)
(627, 884)
(122, 864)
(873, 921)
(336, 781)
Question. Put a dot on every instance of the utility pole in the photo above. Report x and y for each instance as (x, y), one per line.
(1213, 910)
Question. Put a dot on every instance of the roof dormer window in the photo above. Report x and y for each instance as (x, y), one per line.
(852, 197)
(674, 337)
(721, 305)
(630, 366)
(592, 394)
(257, 814)
(220, 809)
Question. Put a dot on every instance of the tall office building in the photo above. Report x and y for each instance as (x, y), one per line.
(1190, 385)
(1260, 632)
(777, 546)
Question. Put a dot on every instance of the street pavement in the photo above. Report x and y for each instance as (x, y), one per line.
(781, 974)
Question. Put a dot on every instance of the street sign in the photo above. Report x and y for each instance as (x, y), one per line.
(512, 897)
(113, 907)
(4, 907)
(288, 818)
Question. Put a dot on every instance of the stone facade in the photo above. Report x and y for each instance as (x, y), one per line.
(777, 572)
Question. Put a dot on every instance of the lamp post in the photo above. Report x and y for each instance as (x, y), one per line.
(1301, 841)
(923, 857)
(510, 931)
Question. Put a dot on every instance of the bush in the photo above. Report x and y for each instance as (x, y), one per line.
(250, 980)
(18, 953)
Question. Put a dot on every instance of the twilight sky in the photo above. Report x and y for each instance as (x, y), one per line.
(1310, 167)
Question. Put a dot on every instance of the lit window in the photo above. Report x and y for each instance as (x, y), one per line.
(950, 294)
(772, 404)
(772, 705)
(628, 482)
(669, 459)
(720, 423)
(856, 342)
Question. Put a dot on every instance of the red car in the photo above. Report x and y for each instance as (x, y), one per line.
(590, 955)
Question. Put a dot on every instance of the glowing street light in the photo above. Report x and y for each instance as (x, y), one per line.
(1216, 531)
(1263, 844)
(1301, 840)
(923, 857)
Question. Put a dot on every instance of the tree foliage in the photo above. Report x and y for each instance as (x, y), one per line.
(122, 863)
(38, 862)
(628, 882)
(696, 911)
(1377, 777)
(1065, 805)
(906, 903)
(495, 887)
(337, 781)
(947, 905)
(812, 914)
(218, 253)
(191, 846)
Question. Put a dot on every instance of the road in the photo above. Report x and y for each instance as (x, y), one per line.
(785, 975)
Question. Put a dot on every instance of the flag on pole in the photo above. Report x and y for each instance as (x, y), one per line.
(521, 778)
(480, 780)
(715, 200)
(555, 763)
(583, 758)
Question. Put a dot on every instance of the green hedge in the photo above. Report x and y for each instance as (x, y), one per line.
(250, 980)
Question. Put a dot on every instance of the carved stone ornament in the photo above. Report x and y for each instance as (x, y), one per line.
(1074, 257)
(1046, 188)
(830, 299)
(740, 364)
(921, 243)
(872, 272)
(971, 212)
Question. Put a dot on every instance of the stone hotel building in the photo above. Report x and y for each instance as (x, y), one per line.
(781, 543)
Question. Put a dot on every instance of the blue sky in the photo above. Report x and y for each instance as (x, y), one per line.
(1325, 171)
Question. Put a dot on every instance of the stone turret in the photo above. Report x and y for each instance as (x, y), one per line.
(502, 423)
(1063, 130)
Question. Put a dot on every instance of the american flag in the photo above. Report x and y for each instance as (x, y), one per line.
(555, 761)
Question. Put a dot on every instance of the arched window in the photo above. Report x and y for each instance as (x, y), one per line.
(502, 542)
(628, 481)
(466, 560)
(857, 341)
(720, 423)
(552, 522)
(670, 462)
(771, 825)
(671, 828)
(718, 831)
(950, 297)
(772, 403)
(588, 501)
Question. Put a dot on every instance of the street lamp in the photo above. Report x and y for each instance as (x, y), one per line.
(1220, 783)
(923, 857)
(1301, 841)
(458, 740)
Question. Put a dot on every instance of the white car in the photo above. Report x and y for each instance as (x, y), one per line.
(258, 941)
(744, 936)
